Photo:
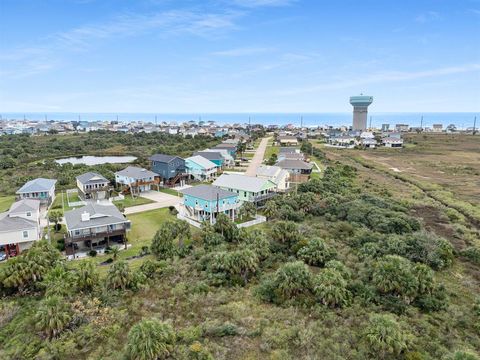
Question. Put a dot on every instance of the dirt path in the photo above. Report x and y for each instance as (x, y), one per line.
(258, 157)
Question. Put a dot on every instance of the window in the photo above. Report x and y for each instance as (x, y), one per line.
(25, 234)
(29, 214)
(77, 232)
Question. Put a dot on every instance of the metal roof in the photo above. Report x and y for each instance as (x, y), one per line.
(100, 215)
(37, 185)
(207, 192)
(163, 158)
(203, 162)
(136, 172)
(241, 182)
(210, 155)
(294, 164)
(91, 177)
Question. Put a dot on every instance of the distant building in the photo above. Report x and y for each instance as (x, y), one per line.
(437, 127)
(288, 140)
(385, 127)
(360, 111)
(392, 142)
(401, 127)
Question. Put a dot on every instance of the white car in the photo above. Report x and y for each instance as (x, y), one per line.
(3, 256)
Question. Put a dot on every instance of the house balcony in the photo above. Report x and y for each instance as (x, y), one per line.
(92, 236)
(221, 207)
(263, 197)
(97, 189)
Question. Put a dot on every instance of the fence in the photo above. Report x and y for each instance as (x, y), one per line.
(258, 220)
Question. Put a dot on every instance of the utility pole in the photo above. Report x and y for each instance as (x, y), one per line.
(301, 122)
(421, 123)
(156, 121)
(474, 125)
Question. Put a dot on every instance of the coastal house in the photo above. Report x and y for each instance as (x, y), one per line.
(392, 142)
(213, 156)
(275, 174)
(231, 148)
(290, 153)
(41, 189)
(249, 188)
(92, 186)
(437, 127)
(401, 127)
(200, 168)
(228, 160)
(136, 180)
(19, 227)
(368, 143)
(204, 203)
(171, 169)
(299, 170)
(94, 225)
(345, 141)
(288, 140)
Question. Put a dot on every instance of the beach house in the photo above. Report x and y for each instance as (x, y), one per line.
(249, 188)
(41, 189)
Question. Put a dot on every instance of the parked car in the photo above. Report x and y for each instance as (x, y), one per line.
(3, 256)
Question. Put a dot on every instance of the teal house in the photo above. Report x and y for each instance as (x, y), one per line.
(215, 157)
(39, 189)
(204, 203)
(199, 168)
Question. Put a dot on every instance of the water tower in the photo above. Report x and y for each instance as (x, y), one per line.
(360, 111)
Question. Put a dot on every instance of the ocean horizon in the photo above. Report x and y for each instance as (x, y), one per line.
(461, 120)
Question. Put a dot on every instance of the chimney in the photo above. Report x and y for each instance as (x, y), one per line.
(85, 216)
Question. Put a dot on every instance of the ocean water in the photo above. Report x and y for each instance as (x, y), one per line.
(460, 120)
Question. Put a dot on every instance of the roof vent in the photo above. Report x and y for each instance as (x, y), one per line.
(85, 216)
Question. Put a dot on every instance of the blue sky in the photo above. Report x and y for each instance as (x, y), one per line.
(238, 55)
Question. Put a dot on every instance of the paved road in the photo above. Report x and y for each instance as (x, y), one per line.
(257, 158)
(161, 200)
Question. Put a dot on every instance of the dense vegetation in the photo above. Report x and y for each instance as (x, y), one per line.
(338, 272)
(24, 157)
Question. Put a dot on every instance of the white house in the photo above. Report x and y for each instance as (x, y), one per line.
(275, 174)
(392, 142)
(40, 189)
(19, 227)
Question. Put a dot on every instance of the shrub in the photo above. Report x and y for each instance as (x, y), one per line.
(92, 253)
(472, 254)
(384, 336)
(316, 252)
(330, 288)
(150, 340)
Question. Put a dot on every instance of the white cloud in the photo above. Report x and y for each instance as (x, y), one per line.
(427, 17)
(261, 3)
(243, 51)
(384, 77)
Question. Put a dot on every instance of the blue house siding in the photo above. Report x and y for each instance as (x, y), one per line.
(169, 170)
(208, 206)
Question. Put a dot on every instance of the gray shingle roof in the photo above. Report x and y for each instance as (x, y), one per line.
(24, 206)
(226, 146)
(288, 150)
(100, 215)
(162, 158)
(37, 185)
(207, 192)
(210, 155)
(136, 172)
(91, 177)
(294, 164)
(240, 182)
(8, 224)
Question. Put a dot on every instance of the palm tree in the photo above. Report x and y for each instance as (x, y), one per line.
(55, 216)
(270, 209)
(150, 340)
(331, 288)
(114, 251)
(385, 337)
(87, 275)
(247, 210)
(119, 275)
(53, 316)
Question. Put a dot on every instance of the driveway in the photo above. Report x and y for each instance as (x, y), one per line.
(257, 158)
(161, 200)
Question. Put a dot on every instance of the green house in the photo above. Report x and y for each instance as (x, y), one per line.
(248, 188)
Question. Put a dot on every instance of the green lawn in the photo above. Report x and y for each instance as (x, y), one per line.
(270, 151)
(129, 201)
(5, 202)
(171, 192)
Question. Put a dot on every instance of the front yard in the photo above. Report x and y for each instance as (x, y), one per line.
(6, 202)
(129, 201)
